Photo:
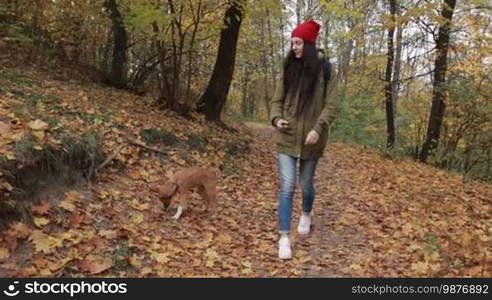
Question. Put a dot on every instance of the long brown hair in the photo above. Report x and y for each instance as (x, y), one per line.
(301, 73)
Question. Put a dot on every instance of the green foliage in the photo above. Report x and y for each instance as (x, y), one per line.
(15, 33)
(360, 121)
(121, 256)
(143, 15)
(197, 142)
(154, 135)
(236, 148)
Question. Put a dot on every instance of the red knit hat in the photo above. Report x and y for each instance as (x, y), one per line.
(308, 31)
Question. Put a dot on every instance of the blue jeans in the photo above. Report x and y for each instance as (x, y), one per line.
(287, 166)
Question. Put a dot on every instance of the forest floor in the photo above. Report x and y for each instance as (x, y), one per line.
(373, 216)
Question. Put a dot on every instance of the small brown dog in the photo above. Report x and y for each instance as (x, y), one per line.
(181, 184)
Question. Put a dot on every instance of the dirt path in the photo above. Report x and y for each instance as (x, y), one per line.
(328, 251)
(381, 217)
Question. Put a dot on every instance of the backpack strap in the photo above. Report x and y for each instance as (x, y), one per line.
(326, 75)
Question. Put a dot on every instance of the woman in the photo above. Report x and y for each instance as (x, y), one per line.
(302, 116)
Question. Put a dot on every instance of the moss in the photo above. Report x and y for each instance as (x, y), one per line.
(197, 142)
(154, 136)
(237, 148)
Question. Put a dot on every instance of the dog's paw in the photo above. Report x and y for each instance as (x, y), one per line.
(178, 213)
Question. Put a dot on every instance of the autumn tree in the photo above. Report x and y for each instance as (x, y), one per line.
(439, 83)
(215, 96)
(120, 41)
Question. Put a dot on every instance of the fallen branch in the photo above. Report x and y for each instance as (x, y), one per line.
(137, 143)
(131, 142)
(110, 158)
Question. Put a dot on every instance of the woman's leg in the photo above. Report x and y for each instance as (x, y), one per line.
(308, 168)
(287, 171)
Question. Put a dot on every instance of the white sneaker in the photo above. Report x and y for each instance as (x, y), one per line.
(284, 251)
(304, 224)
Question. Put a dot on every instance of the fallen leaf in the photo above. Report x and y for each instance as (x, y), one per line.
(109, 234)
(38, 125)
(68, 205)
(139, 206)
(4, 254)
(73, 196)
(95, 265)
(224, 238)
(75, 220)
(21, 230)
(137, 218)
(160, 257)
(146, 271)
(39, 135)
(39, 261)
(135, 261)
(42, 209)
(4, 128)
(42, 242)
(420, 267)
(45, 273)
(40, 222)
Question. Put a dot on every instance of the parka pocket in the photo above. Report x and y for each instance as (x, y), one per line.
(284, 136)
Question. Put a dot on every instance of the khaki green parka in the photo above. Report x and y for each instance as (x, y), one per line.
(317, 115)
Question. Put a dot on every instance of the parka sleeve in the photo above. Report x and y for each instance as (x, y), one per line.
(276, 104)
(331, 106)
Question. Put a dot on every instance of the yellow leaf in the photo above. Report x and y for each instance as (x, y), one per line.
(420, 267)
(45, 273)
(38, 125)
(73, 196)
(4, 254)
(137, 218)
(139, 206)
(42, 242)
(160, 257)
(224, 238)
(135, 261)
(109, 234)
(246, 271)
(68, 205)
(196, 262)
(40, 221)
(210, 263)
(146, 271)
(39, 135)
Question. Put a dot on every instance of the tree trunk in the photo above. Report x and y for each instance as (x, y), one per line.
(244, 86)
(397, 65)
(120, 36)
(299, 4)
(213, 100)
(439, 88)
(196, 21)
(390, 115)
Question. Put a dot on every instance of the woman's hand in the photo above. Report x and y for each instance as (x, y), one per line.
(312, 137)
(281, 123)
